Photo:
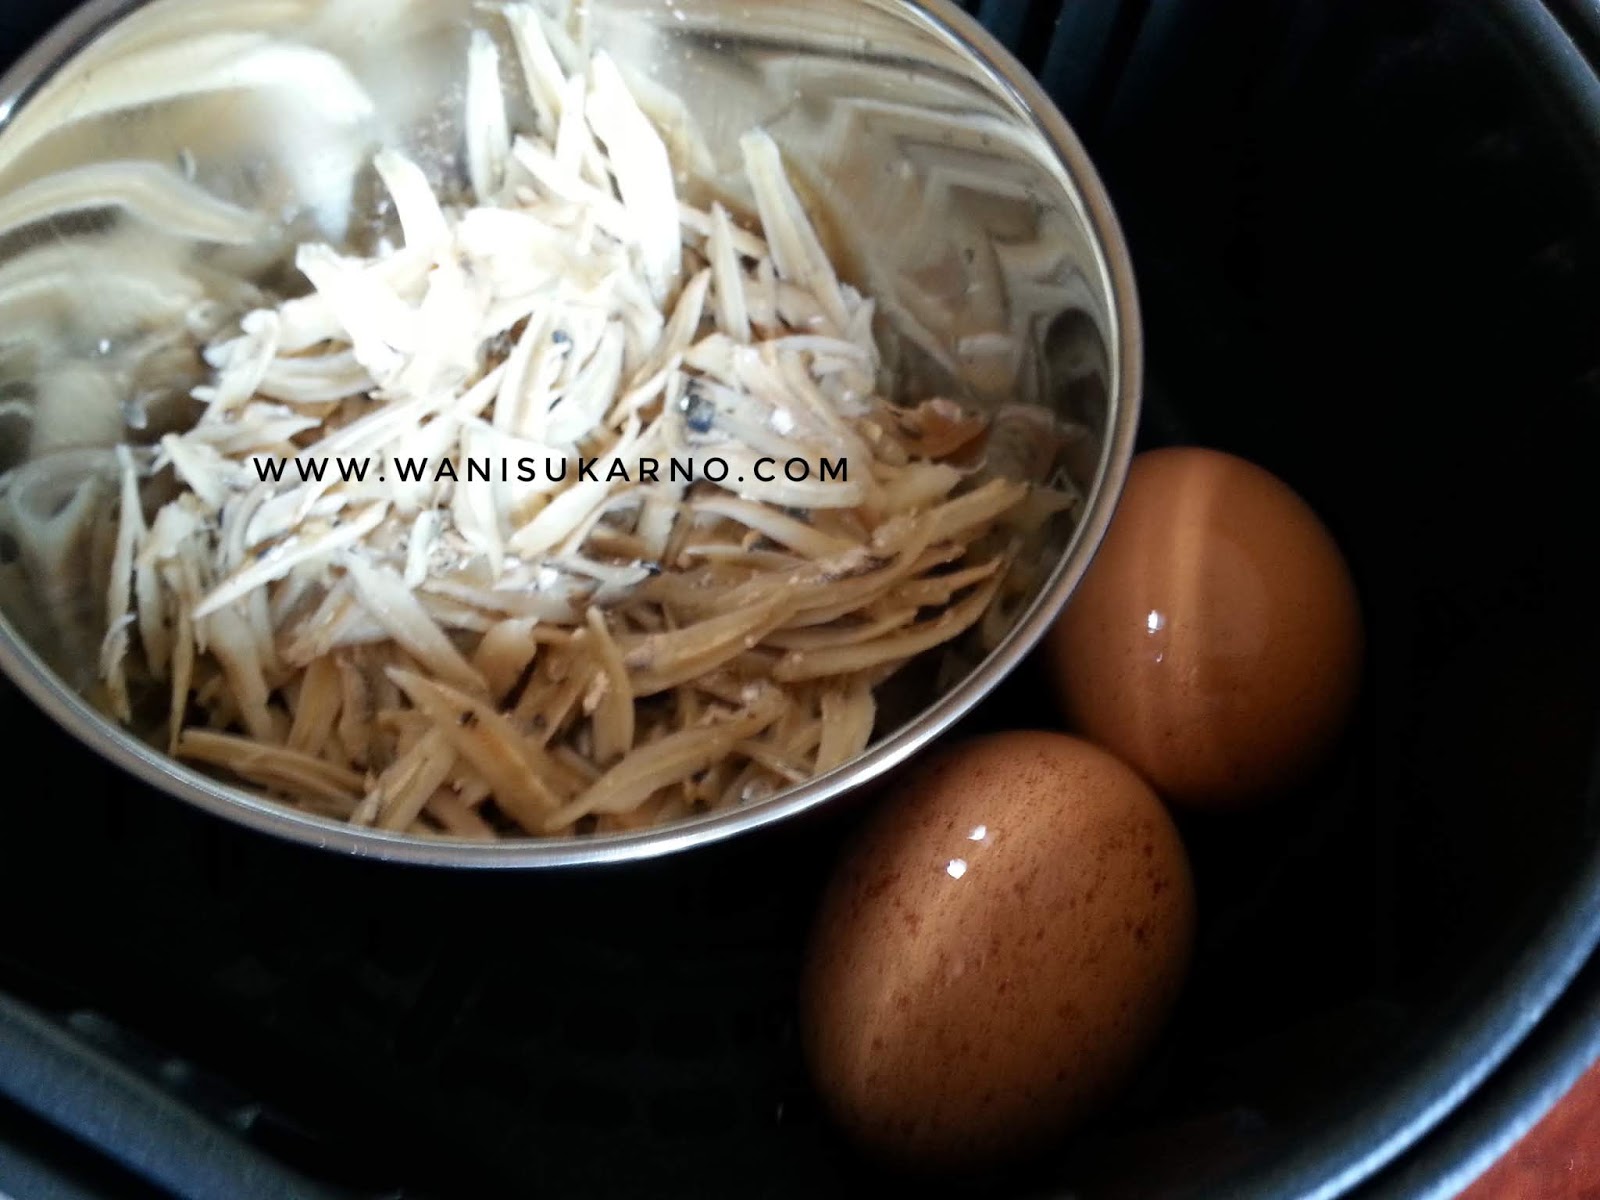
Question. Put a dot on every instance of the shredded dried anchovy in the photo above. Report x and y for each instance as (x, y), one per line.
(583, 649)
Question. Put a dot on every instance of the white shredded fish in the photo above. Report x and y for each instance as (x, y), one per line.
(643, 171)
(380, 325)
(488, 131)
(733, 317)
(241, 363)
(204, 471)
(431, 565)
(421, 219)
(590, 395)
(570, 507)
(276, 561)
(797, 253)
(393, 606)
(545, 78)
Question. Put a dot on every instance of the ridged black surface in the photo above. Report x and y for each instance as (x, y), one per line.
(1366, 237)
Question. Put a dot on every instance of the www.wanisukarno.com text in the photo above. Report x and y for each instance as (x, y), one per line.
(549, 469)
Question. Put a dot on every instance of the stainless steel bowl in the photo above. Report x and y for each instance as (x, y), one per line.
(951, 186)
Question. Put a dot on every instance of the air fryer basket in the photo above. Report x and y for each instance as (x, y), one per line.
(1366, 236)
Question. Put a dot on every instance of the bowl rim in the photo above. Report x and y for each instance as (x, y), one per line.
(77, 717)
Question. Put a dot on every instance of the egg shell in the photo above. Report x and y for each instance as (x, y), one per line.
(997, 952)
(1215, 643)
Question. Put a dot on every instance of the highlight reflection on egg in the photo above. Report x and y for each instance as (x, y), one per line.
(998, 951)
(1215, 643)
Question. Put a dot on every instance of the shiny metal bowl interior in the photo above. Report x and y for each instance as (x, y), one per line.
(951, 188)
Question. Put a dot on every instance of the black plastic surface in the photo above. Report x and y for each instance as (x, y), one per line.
(1544, 1069)
(1366, 233)
(108, 1106)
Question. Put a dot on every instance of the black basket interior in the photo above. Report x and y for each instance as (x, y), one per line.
(1366, 238)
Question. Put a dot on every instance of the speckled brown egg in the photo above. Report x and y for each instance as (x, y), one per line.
(1215, 643)
(997, 952)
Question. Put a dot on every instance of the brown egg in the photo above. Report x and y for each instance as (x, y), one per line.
(1215, 643)
(997, 952)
